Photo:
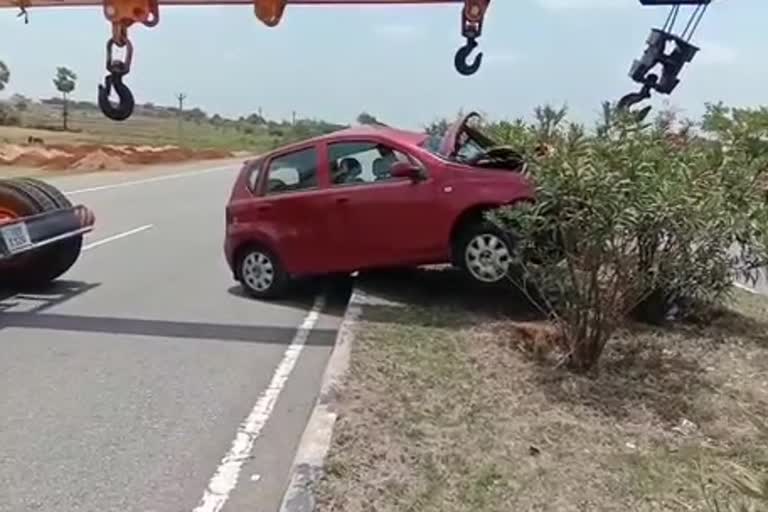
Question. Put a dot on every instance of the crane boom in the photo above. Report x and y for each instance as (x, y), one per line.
(85, 3)
(123, 14)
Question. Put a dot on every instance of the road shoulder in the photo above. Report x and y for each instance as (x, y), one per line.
(307, 467)
(449, 404)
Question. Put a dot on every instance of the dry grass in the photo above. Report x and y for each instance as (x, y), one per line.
(90, 126)
(449, 408)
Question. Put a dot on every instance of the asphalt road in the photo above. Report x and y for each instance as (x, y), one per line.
(144, 381)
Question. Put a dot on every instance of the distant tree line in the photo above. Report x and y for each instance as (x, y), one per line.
(65, 82)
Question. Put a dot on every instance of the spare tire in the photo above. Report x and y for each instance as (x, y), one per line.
(53, 193)
(15, 203)
(40, 267)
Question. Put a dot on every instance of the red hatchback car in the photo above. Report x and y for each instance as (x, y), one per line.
(372, 197)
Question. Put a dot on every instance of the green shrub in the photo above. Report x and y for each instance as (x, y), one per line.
(630, 218)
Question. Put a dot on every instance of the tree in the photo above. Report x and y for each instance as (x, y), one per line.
(65, 81)
(366, 118)
(437, 128)
(5, 75)
(256, 119)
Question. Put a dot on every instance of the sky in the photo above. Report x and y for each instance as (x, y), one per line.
(395, 62)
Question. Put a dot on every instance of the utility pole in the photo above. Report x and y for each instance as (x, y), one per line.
(180, 97)
(293, 118)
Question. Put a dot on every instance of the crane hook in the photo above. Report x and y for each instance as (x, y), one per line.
(633, 98)
(125, 103)
(462, 57)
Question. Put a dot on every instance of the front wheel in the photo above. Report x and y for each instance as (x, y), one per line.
(261, 273)
(484, 252)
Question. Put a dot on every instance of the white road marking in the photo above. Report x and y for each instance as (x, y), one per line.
(225, 478)
(118, 236)
(149, 180)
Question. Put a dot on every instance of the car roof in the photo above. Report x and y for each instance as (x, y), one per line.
(387, 132)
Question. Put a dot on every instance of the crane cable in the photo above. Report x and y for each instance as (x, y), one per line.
(701, 9)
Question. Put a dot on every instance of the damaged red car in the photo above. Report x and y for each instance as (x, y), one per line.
(373, 197)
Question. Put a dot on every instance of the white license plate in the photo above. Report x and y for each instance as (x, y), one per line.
(16, 237)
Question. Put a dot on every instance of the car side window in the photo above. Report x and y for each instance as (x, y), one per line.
(292, 172)
(362, 162)
(254, 171)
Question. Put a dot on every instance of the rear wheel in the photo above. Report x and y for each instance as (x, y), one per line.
(15, 203)
(47, 264)
(260, 272)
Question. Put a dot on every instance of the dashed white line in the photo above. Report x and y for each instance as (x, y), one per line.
(225, 478)
(148, 180)
(118, 236)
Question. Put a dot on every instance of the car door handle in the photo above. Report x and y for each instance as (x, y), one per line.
(342, 200)
(264, 208)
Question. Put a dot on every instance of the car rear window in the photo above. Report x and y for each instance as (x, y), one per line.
(293, 171)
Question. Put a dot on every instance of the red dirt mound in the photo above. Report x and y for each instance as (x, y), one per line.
(93, 157)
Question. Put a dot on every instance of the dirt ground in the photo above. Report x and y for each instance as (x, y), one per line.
(447, 407)
(94, 157)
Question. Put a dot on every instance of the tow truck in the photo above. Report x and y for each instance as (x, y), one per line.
(41, 231)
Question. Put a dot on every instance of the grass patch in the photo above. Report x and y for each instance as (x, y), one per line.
(141, 130)
(448, 408)
(90, 126)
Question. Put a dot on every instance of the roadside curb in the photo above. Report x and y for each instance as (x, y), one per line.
(307, 467)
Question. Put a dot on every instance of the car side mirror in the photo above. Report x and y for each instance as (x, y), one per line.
(406, 170)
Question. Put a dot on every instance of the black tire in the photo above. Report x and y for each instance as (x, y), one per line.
(501, 244)
(59, 257)
(19, 203)
(263, 284)
(41, 267)
(53, 193)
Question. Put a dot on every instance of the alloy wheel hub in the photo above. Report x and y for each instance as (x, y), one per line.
(487, 258)
(258, 271)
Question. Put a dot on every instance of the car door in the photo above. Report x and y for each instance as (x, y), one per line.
(291, 210)
(379, 219)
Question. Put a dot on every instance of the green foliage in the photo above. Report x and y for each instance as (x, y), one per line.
(630, 214)
(65, 80)
(366, 118)
(8, 117)
(437, 128)
(5, 75)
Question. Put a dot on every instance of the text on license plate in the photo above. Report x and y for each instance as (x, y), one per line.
(16, 237)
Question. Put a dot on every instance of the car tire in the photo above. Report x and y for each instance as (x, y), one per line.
(58, 258)
(484, 253)
(41, 267)
(261, 273)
